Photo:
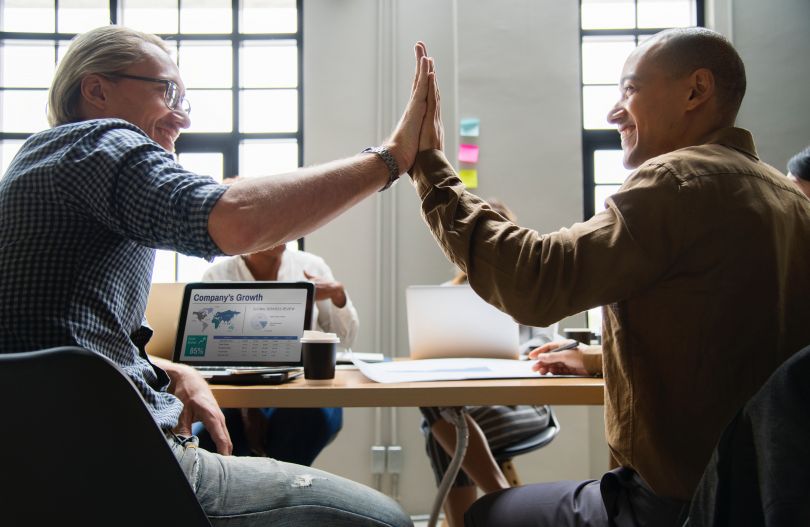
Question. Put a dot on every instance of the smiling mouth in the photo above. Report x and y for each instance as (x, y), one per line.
(626, 131)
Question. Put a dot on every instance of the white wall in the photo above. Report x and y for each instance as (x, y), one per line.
(515, 65)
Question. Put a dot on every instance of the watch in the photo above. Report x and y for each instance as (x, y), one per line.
(390, 162)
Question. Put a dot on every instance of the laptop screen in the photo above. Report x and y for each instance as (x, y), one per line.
(243, 323)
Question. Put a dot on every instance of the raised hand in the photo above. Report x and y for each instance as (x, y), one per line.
(431, 136)
(404, 141)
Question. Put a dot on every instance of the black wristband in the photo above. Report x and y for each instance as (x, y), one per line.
(390, 162)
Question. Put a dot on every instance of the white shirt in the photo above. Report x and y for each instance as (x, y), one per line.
(326, 316)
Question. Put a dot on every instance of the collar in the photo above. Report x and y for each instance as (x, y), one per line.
(737, 138)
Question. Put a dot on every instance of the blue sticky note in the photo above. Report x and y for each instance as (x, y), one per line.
(470, 127)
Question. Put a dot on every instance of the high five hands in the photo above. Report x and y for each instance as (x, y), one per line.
(420, 127)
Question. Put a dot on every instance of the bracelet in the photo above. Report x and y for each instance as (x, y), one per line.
(390, 162)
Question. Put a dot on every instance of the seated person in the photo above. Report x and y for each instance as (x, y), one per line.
(799, 170)
(491, 428)
(295, 435)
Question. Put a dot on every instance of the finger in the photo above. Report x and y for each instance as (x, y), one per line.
(419, 52)
(219, 433)
(431, 96)
(545, 348)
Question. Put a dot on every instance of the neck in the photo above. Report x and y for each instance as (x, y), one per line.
(263, 267)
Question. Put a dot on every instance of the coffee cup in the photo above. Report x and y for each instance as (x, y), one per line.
(583, 335)
(319, 354)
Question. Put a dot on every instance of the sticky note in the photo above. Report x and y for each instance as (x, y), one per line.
(468, 153)
(470, 127)
(469, 176)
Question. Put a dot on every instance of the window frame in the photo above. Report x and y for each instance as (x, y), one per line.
(593, 140)
(226, 143)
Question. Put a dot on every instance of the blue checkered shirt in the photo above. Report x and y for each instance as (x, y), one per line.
(82, 209)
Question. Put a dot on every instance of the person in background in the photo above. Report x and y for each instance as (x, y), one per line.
(799, 170)
(85, 203)
(490, 427)
(700, 260)
(296, 435)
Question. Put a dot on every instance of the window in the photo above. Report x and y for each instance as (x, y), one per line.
(609, 31)
(240, 61)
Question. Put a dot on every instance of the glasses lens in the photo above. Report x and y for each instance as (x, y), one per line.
(172, 95)
(185, 105)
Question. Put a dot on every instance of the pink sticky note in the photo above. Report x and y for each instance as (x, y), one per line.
(468, 153)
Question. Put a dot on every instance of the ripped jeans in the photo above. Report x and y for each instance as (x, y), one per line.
(255, 491)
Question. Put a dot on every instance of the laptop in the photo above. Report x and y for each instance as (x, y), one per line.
(232, 328)
(162, 312)
(453, 321)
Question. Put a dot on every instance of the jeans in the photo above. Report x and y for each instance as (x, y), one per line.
(294, 435)
(256, 491)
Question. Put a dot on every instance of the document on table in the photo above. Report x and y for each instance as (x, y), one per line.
(446, 370)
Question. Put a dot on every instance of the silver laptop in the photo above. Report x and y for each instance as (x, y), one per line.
(453, 321)
(234, 327)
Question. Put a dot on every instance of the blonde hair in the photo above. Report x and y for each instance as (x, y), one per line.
(105, 49)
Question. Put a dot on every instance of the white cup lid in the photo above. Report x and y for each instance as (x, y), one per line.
(319, 336)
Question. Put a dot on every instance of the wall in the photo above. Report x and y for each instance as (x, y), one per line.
(515, 65)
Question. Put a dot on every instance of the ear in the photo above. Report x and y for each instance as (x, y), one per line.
(701, 88)
(94, 91)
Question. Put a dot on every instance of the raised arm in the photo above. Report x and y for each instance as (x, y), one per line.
(258, 213)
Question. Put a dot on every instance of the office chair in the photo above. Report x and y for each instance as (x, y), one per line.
(79, 447)
(759, 472)
(504, 456)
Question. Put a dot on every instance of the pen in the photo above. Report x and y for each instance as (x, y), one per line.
(571, 345)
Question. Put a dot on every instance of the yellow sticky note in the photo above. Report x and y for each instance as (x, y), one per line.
(469, 176)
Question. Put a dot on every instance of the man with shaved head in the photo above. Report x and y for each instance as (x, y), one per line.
(699, 261)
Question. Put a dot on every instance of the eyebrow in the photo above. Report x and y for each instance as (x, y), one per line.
(628, 78)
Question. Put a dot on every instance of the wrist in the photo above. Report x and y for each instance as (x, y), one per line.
(390, 162)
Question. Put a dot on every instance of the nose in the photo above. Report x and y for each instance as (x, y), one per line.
(182, 118)
(615, 114)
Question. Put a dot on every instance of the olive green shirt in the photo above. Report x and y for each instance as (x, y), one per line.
(702, 264)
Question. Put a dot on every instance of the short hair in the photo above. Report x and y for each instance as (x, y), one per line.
(799, 165)
(106, 49)
(684, 50)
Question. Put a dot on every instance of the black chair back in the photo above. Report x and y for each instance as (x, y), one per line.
(79, 447)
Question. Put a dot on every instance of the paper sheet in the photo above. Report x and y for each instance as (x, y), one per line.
(446, 370)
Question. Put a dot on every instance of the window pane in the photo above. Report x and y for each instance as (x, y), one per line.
(8, 149)
(603, 58)
(601, 193)
(206, 64)
(608, 168)
(163, 271)
(26, 63)
(27, 16)
(608, 14)
(190, 268)
(596, 103)
(269, 111)
(265, 157)
(203, 163)
(594, 317)
(269, 64)
(23, 111)
(666, 13)
(211, 110)
(205, 16)
(269, 16)
(78, 16)
(152, 16)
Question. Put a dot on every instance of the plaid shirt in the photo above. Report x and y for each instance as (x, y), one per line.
(82, 208)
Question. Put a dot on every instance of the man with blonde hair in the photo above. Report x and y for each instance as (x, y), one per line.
(85, 204)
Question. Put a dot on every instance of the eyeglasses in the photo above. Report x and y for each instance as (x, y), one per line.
(171, 96)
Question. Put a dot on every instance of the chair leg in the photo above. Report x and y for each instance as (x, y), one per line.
(509, 470)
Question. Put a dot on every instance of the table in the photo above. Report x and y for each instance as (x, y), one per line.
(353, 389)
